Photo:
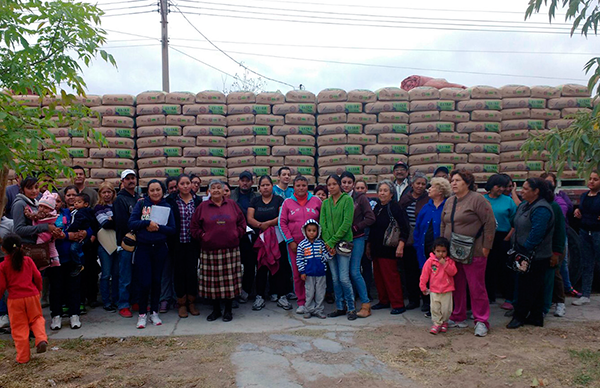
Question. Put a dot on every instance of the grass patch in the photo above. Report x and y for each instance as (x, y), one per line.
(589, 370)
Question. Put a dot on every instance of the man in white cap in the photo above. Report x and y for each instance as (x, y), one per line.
(122, 207)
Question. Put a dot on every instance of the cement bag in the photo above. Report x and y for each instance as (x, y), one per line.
(368, 179)
(469, 148)
(180, 98)
(482, 177)
(392, 117)
(151, 141)
(270, 98)
(114, 110)
(156, 152)
(269, 140)
(485, 92)
(102, 173)
(300, 96)
(205, 109)
(241, 97)
(486, 115)
(515, 103)
(159, 130)
(477, 127)
(293, 150)
(256, 109)
(331, 95)
(157, 109)
(342, 149)
(269, 120)
(391, 94)
(515, 114)
(478, 167)
(361, 95)
(544, 92)
(377, 169)
(362, 160)
(455, 94)
(429, 168)
(295, 170)
(194, 152)
(508, 146)
(208, 119)
(455, 116)
(117, 163)
(151, 97)
(386, 149)
(560, 124)
(379, 128)
(511, 125)
(299, 160)
(303, 140)
(284, 109)
(283, 130)
(471, 105)
(513, 156)
(423, 93)
(361, 118)
(427, 105)
(427, 127)
(118, 99)
(240, 119)
(211, 172)
(387, 106)
(211, 97)
(233, 141)
(248, 130)
(66, 132)
(90, 100)
(414, 160)
(515, 91)
(568, 112)
(416, 149)
(477, 158)
(389, 177)
(117, 121)
(160, 161)
(103, 153)
(339, 107)
(248, 151)
(519, 134)
(420, 138)
(86, 163)
(331, 118)
(150, 120)
(180, 120)
(391, 158)
(300, 119)
(209, 161)
(569, 102)
(181, 162)
(484, 137)
(392, 138)
(452, 158)
(452, 137)
(160, 172)
(338, 170)
(332, 160)
(362, 139)
(522, 166)
(241, 161)
(213, 141)
(573, 90)
(569, 175)
(93, 121)
(545, 114)
(333, 129)
(419, 117)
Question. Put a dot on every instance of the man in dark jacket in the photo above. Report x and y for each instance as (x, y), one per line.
(122, 207)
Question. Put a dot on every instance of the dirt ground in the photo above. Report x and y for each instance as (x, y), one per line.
(528, 357)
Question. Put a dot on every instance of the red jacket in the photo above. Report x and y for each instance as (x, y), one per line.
(218, 227)
(27, 282)
(440, 277)
(267, 248)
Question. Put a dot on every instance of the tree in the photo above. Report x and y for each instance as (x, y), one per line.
(579, 145)
(43, 46)
(245, 83)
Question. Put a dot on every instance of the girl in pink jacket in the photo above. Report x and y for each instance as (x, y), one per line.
(439, 271)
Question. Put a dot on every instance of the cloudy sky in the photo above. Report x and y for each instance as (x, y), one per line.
(335, 43)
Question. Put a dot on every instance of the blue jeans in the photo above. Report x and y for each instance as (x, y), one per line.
(110, 269)
(342, 286)
(590, 254)
(564, 268)
(3, 306)
(76, 252)
(355, 260)
(125, 273)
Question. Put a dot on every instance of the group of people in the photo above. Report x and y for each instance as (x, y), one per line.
(437, 241)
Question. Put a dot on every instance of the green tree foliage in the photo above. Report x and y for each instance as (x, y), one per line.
(579, 145)
(43, 46)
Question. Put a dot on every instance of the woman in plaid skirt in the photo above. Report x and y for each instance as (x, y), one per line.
(219, 224)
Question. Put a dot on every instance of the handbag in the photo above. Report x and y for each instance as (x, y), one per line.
(342, 247)
(391, 237)
(129, 242)
(461, 246)
(39, 253)
(519, 261)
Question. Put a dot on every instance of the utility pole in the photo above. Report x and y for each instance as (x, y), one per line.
(164, 11)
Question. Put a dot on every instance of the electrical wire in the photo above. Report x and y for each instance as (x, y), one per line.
(127, 14)
(120, 2)
(205, 64)
(130, 34)
(133, 45)
(134, 7)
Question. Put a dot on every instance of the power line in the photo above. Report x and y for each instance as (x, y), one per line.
(120, 2)
(227, 55)
(127, 14)
(131, 34)
(204, 63)
(133, 45)
(133, 7)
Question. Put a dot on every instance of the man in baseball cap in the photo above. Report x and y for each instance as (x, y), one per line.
(125, 173)
(402, 181)
(442, 172)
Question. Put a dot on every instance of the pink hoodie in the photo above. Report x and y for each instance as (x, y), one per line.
(440, 277)
(293, 216)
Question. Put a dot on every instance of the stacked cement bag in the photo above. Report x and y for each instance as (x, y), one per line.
(159, 135)
(294, 123)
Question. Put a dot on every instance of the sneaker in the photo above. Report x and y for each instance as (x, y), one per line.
(481, 329)
(352, 315)
(320, 315)
(301, 310)
(75, 322)
(142, 321)
(77, 271)
(155, 319)
(427, 314)
(560, 310)
(292, 296)
(574, 293)
(110, 308)
(444, 327)
(274, 298)
(284, 304)
(507, 306)
(336, 313)
(581, 301)
(460, 325)
(164, 307)
(4, 322)
(399, 310)
(258, 304)
(435, 329)
(307, 315)
(243, 298)
(41, 347)
(125, 313)
(56, 323)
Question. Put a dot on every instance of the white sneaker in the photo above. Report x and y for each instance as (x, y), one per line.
(284, 303)
(142, 321)
(155, 319)
(301, 310)
(460, 325)
(259, 303)
(560, 310)
(243, 298)
(274, 298)
(481, 329)
(75, 322)
(581, 301)
(4, 322)
(56, 323)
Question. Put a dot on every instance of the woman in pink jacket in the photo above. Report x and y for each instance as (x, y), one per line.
(296, 210)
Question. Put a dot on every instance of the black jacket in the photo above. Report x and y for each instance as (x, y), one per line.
(382, 220)
(122, 208)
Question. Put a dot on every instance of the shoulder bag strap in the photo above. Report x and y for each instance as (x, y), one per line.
(452, 215)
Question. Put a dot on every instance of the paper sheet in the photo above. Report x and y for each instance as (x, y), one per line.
(160, 214)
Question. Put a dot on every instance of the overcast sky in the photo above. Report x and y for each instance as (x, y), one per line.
(390, 39)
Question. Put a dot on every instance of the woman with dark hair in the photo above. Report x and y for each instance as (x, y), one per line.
(321, 192)
(25, 208)
(469, 214)
(337, 216)
(107, 247)
(183, 251)
(152, 221)
(534, 227)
